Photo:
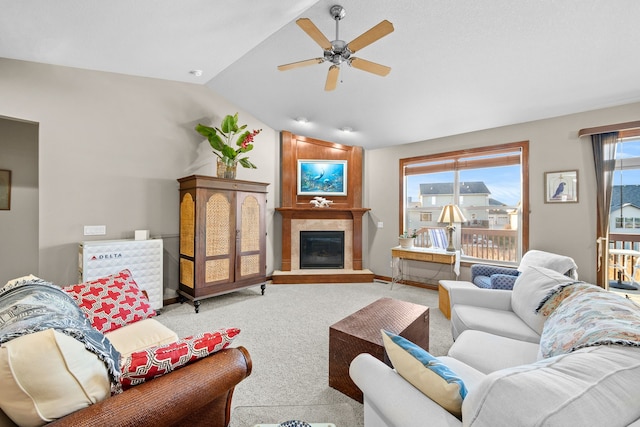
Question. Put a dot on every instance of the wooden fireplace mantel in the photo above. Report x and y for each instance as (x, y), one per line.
(322, 213)
(353, 214)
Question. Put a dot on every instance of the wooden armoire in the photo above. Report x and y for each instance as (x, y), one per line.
(222, 236)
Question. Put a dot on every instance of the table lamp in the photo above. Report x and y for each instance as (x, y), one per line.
(451, 213)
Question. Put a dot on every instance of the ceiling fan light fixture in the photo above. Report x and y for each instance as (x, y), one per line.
(339, 52)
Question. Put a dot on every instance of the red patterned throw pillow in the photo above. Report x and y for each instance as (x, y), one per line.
(159, 360)
(111, 302)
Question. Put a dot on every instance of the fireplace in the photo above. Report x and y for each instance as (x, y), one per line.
(347, 221)
(345, 213)
(321, 249)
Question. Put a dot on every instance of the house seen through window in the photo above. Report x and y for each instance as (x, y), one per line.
(624, 215)
(488, 184)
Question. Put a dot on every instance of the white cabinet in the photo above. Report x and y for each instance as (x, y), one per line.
(100, 258)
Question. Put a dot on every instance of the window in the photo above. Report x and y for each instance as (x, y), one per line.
(625, 196)
(426, 216)
(490, 186)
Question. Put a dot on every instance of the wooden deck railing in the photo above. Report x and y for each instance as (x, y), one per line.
(484, 243)
(490, 244)
(624, 241)
(502, 245)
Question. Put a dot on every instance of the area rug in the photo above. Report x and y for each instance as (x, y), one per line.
(287, 334)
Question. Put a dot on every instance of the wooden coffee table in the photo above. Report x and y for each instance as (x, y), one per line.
(360, 333)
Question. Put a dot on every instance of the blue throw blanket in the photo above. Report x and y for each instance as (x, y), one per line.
(35, 305)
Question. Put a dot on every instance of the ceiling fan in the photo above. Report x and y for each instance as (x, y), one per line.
(338, 51)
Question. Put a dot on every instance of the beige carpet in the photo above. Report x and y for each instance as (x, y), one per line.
(287, 334)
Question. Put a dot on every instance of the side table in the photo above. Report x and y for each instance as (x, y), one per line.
(428, 255)
(444, 304)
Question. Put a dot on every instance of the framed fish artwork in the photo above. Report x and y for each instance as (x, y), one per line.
(322, 177)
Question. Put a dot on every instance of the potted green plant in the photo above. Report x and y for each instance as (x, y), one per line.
(229, 152)
(406, 239)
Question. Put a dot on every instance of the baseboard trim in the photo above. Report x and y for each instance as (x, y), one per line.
(422, 285)
(354, 276)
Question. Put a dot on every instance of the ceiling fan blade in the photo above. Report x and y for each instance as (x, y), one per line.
(371, 67)
(376, 33)
(313, 32)
(332, 78)
(291, 66)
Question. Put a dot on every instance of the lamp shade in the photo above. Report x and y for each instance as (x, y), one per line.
(451, 214)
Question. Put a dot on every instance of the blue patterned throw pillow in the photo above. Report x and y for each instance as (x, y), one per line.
(425, 372)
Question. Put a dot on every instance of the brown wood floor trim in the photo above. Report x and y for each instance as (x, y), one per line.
(432, 287)
(290, 279)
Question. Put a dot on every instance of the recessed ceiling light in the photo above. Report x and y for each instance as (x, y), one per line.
(346, 129)
(196, 73)
(302, 120)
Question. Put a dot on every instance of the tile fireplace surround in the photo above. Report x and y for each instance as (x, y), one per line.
(348, 220)
(298, 225)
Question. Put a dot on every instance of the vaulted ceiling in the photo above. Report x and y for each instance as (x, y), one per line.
(456, 66)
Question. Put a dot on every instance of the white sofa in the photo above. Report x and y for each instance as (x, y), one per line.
(498, 353)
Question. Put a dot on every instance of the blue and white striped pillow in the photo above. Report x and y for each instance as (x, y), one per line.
(438, 238)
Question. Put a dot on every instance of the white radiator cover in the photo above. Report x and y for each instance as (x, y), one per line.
(100, 258)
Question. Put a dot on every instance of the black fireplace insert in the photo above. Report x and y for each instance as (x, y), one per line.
(321, 249)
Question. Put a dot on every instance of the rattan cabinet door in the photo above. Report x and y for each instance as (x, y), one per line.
(217, 235)
(250, 236)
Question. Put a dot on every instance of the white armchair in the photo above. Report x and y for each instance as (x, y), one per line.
(487, 310)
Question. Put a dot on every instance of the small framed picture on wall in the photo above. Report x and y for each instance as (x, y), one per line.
(5, 190)
(561, 187)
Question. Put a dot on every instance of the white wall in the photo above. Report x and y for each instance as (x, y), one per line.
(111, 148)
(554, 145)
